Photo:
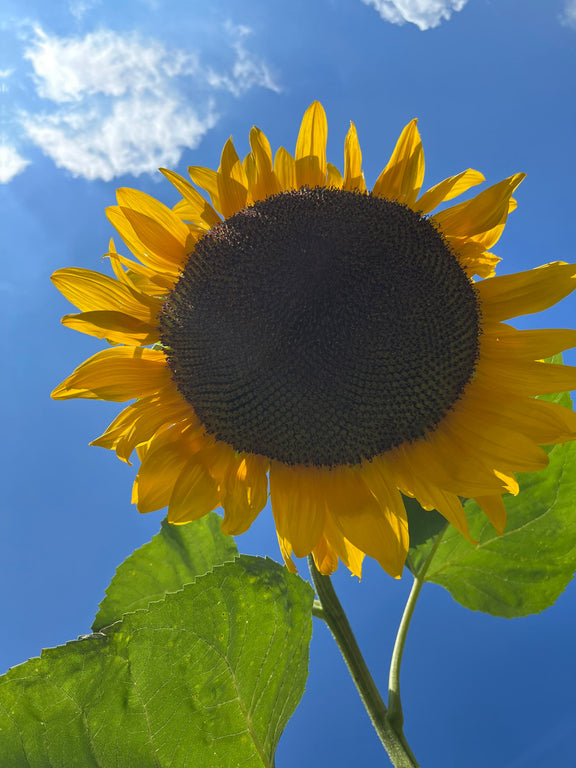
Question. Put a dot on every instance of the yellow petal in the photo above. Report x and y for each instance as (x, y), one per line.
(502, 342)
(450, 507)
(523, 293)
(195, 492)
(473, 257)
(484, 212)
(232, 182)
(158, 242)
(207, 179)
(115, 311)
(266, 182)
(311, 147)
(351, 556)
(543, 422)
(115, 327)
(90, 290)
(140, 421)
(286, 550)
(494, 509)
(285, 169)
(379, 479)
(491, 236)
(202, 212)
(153, 209)
(245, 493)
(139, 277)
(497, 446)
(117, 374)
(125, 226)
(547, 423)
(444, 502)
(443, 463)
(353, 176)
(333, 176)
(376, 528)
(428, 494)
(160, 469)
(298, 506)
(402, 178)
(527, 378)
(325, 556)
(448, 189)
(249, 166)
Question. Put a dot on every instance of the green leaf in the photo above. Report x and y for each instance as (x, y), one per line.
(204, 678)
(526, 569)
(174, 557)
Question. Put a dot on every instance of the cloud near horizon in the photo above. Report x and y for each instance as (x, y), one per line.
(425, 14)
(114, 104)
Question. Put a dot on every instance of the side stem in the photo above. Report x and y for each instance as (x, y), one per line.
(395, 714)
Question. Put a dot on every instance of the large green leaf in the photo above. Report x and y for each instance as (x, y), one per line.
(207, 677)
(528, 567)
(525, 570)
(174, 557)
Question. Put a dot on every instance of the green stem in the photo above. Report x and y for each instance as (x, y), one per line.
(330, 609)
(395, 714)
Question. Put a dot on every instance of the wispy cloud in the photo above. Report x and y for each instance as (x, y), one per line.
(568, 15)
(11, 163)
(247, 70)
(426, 14)
(78, 8)
(112, 104)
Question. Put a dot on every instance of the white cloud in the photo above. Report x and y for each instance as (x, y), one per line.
(426, 14)
(568, 16)
(138, 135)
(118, 104)
(11, 163)
(247, 70)
(80, 7)
(70, 69)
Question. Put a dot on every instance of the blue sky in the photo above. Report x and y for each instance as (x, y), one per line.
(95, 95)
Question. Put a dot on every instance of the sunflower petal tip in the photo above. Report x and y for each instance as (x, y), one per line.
(498, 528)
(518, 178)
(58, 392)
(316, 106)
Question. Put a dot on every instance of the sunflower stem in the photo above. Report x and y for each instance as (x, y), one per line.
(329, 608)
(395, 714)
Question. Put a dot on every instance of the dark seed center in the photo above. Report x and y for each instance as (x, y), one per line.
(321, 327)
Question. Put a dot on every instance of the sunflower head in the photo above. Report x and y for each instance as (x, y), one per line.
(289, 333)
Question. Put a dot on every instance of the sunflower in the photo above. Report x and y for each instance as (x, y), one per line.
(301, 329)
